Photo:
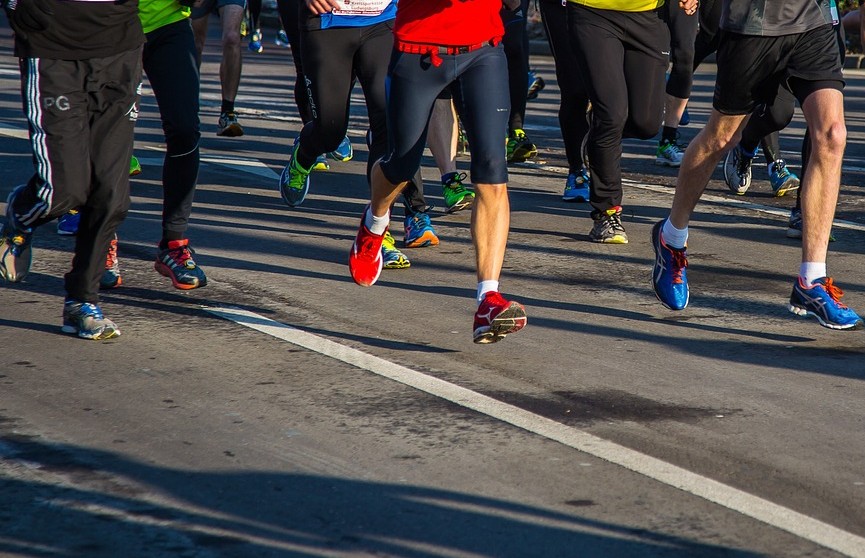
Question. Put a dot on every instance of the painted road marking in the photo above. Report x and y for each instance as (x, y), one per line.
(734, 499)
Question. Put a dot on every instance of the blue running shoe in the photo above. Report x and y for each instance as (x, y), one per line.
(282, 39)
(294, 180)
(536, 85)
(87, 320)
(16, 254)
(390, 254)
(669, 275)
(577, 186)
(823, 301)
(255, 42)
(344, 152)
(782, 179)
(320, 164)
(67, 225)
(419, 231)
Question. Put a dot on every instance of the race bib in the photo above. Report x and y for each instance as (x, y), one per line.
(361, 7)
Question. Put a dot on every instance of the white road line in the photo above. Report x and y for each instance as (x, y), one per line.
(732, 498)
(11, 131)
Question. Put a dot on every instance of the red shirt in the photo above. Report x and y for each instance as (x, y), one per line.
(448, 22)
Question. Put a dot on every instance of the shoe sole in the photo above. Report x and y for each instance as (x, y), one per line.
(66, 233)
(510, 320)
(428, 239)
(231, 131)
(614, 240)
(666, 163)
(459, 206)
(135, 172)
(789, 186)
(799, 311)
(579, 199)
(101, 336)
(341, 158)
(397, 265)
(163, 270)
(114, 285)
(520, 157)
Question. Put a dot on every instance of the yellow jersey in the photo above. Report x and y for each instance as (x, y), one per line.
(622, 5)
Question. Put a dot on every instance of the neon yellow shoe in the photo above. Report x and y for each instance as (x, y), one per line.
(392, 257)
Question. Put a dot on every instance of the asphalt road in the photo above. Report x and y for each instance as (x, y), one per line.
(284, 411)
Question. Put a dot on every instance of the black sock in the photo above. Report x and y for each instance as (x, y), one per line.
(227, 106)
(668, 134)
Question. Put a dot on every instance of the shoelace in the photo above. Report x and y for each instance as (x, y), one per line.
(744, 165)
(420, 221)
(455, 183)
(367, 248)
(680, 262)
(781, 170)
(834, 291)
(181, 255)
(111, 259)
(615, 220)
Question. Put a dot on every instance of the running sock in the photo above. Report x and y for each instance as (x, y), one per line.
(673, 237)
(811, 271)
(668, 134)
(376, 225)
(227, 106)
(486, 286)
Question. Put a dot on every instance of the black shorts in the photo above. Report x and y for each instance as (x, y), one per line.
(414, 84)
(752, 68)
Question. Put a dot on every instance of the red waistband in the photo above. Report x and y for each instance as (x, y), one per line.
(437, 51)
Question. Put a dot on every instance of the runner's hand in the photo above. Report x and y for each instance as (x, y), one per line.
(690, 6)
(319, 7)
(29, 16)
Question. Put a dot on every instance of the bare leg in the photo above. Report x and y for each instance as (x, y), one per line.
(490, 224)
(720, 134)
(674, 108)
(199, 30)
(824, 113)
(442, 135)
(229, 70)
(384, 193)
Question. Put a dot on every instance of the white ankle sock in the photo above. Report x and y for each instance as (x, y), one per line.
(673, 237)
(376, 225)
(486, 286)
(810, 271)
